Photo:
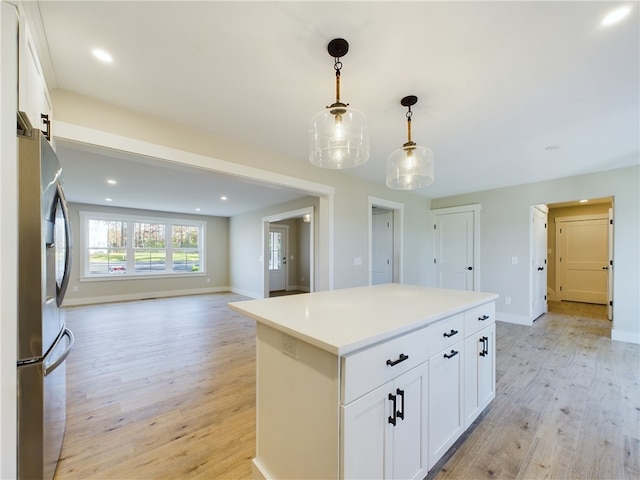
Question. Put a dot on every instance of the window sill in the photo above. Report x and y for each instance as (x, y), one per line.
(141, 276)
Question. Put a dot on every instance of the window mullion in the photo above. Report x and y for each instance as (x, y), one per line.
(131, 257)
(168, 247)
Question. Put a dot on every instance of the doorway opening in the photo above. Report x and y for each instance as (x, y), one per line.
(385, 241)
(289, 253)
(580, 254)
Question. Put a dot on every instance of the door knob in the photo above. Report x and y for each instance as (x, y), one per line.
(469, 268)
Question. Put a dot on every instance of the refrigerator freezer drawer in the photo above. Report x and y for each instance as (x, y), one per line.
(42, 412)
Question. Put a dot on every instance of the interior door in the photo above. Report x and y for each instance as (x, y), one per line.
(454, 250)
(382, 248)
(610, 269)
(277, 258)
(539, 262)
(583, 260)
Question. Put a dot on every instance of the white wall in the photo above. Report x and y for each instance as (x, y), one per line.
(8, 237)
(350, 202)
(505, 234)
(245, 245)
(119, 289)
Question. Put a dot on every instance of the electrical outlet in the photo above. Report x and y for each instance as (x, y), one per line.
(74, 288)
(514, 260)
(208, 280)
(289, 346)
(507, 300)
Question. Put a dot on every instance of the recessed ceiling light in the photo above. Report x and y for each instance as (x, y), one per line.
(223, 198)
(197, 209)
(102, 55)
(584, 201)
(108, 199)
(552, 147)
(111, 181)
(614, 16)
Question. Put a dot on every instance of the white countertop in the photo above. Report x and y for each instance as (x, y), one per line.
(343, 321)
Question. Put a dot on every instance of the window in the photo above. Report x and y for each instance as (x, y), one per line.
(126, 245)
(275, 250)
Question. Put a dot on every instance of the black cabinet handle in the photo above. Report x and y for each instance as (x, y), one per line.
(451, 333)
(483, 318)
(485, 346)
(451, 354)
(540, 269)
(469, 268)
(47, 124)
(400, 413)
(392, 419)
(402, 358)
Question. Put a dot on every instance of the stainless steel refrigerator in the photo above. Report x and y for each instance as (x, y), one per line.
(44, 342)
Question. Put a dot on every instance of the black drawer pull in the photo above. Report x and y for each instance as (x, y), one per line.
(402, 358)
(451, 333)
(483, 318)
(452, 354)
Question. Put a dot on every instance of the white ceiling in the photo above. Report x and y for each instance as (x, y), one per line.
(497, 82)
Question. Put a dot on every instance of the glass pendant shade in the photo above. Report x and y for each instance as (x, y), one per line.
(410, 168)
(338, 140)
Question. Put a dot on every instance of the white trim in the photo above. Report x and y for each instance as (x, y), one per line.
(129, 297)
(623, 336)
(516, 319)
(324, 255)
(265, 245)
(398, 231)
(87, 215)
(246, 293)
(78, 134)
(475, 208)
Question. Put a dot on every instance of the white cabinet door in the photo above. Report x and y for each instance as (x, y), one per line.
(479, 372)
(30, 76)
(385, 431)
(366, 439)
(410, 432)
(446, 421)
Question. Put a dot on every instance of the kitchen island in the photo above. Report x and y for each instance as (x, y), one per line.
(368, 382)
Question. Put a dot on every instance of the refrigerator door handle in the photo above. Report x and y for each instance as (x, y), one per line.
(65, 354)
(62, 289)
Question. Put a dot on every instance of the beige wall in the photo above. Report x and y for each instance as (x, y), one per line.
(116, 288)
(597, 209)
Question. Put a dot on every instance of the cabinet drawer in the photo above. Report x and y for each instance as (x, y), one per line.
(479, 317)
(368, 369)
(445, 333)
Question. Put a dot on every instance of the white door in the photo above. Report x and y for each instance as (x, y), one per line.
(583, 260)
(277, 258)
(610, 269)
(382, 247)
(539, 262)
(454, 250)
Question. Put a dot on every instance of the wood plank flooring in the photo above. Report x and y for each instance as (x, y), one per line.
(165, 389)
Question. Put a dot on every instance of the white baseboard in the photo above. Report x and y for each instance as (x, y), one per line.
(246, 293)
(302, 288)
(511, 318)
(141, 296)
(622, 336)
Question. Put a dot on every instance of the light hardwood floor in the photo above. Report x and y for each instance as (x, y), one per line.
(165, 389)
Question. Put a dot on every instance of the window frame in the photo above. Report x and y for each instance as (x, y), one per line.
(130, 248)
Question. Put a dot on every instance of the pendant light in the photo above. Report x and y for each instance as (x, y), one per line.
(410, 167)
(338, 136)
